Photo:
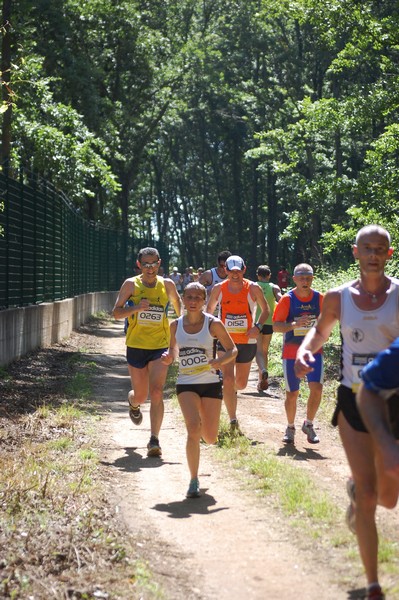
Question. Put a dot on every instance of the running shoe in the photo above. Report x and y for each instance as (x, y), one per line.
(235, 428)
(263, 384)
(375, 593)
(350, 516)
(193, 489)
(307, 428)
(289, 437)
(153, 447)
(135, 414)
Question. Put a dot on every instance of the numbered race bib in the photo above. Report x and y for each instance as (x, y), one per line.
(151, 316)
(193, 361)
(359, 361)
(302, 331)
(236, 323)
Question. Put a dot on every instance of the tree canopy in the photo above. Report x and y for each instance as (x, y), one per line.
(268, 127)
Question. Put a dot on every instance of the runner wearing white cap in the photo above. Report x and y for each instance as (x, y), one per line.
(238, 299)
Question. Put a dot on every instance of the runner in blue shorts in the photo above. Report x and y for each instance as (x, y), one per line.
(294, 315)
(292, 382)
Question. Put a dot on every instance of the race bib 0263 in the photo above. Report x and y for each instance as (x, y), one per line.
(150, 316)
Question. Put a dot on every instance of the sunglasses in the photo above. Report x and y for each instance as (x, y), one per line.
(149, 265)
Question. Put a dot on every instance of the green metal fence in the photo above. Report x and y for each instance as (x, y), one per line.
(49, 252)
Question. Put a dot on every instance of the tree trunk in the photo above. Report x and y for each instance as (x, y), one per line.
(255, 221)
(5, 74)
(272, 217)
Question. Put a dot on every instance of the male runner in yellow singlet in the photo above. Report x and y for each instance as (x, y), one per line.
(143, 301)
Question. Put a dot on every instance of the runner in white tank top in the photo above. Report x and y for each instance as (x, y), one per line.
(217, 274)
(369, 314)
(199, 386)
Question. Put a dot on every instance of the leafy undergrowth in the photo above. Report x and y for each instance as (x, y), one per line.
(59, 537)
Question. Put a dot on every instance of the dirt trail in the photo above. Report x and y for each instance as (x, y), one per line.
(226, 545)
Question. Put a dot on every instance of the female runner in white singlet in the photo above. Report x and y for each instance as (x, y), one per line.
(199, 383)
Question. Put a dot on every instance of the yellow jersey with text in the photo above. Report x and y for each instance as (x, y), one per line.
(148, 329)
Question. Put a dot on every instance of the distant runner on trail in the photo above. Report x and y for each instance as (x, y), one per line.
(238, 299)
(368, 312)
(217, 274)
(293, 316)
(283, 279)
(144, 301)
(177, 279)
(199, 383)
(272, 293)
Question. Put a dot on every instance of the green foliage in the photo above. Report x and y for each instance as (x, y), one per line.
(79, 386)
(54, 141)
(380, 182)
(257, 126)
(343, 237)
(293, 490)
(326, 279)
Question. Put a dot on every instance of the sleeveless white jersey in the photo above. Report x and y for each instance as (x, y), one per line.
(364, 333)
(195, 351)
(215, 279)
(176, 278)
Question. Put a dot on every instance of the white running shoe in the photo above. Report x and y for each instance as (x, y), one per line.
(289, 437)
(310, 432)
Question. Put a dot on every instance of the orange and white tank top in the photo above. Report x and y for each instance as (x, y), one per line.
(237, 311)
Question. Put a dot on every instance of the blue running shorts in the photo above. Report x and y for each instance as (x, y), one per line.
(292, 382)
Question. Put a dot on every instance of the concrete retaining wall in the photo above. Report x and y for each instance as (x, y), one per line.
(25, 329)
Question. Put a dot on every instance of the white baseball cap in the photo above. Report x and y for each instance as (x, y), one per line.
(235, 263)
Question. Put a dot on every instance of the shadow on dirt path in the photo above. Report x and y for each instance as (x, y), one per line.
(228, 544)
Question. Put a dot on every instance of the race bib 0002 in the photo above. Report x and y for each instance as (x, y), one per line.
(193, 361)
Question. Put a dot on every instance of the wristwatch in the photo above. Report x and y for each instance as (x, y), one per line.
(259, 326)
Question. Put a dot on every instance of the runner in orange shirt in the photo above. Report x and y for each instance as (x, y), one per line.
(238, 299)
